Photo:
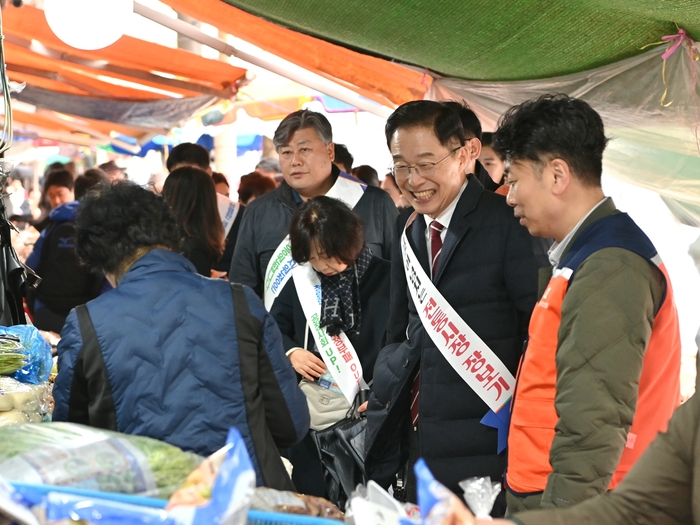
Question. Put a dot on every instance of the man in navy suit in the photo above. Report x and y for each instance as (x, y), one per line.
(482, 263)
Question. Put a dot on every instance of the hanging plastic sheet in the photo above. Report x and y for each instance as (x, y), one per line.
(159, 113)
(650, 106)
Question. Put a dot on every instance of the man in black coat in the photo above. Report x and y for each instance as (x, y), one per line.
(305, 145)
(485, 268)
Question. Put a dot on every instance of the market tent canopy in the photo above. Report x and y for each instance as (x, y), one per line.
(479, 40)
(174, 71)
(494, 57)
(376, 79)
(140, 87)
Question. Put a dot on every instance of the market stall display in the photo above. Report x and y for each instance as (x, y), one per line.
(67, 454)
(231, 493)
(23, 403)
(25, 367)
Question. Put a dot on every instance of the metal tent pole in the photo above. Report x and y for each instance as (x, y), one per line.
(272, 63)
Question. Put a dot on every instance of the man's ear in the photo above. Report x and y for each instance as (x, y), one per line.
(561, 172)
(464, 157)
(473, 146)
(331, 151)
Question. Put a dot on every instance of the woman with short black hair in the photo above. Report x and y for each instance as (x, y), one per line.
(354, 285)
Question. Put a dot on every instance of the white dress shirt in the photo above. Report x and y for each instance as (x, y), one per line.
(557, 249)
(444, 218)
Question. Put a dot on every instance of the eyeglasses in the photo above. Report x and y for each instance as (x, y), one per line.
(424, 169)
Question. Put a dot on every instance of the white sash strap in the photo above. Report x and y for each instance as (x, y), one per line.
(278, 271)
(228, 210)
(337, 352)
(471, 358)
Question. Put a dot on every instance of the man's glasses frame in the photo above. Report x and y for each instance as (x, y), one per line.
(424, 169)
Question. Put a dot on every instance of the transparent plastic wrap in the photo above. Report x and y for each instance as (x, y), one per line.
(438, 505)
(13, 355)
(24, 354)
(480, 494)
(24, 403)
(231, 495)
(372, 505)
(650, 107)
(67, 454)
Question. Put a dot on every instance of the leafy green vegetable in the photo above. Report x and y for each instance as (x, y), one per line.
(13, 355)
(166, 465)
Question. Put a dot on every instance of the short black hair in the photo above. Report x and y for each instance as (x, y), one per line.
(554, 126)
(470, 122)
(189, 154)
(62, 178)
(487, 139)
(343, 156)
(442, 118)
(117, 220)
(329, 226)
(87, 180)
(366, 174)
(54, 166)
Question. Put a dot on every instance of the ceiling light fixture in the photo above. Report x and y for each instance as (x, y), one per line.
(88, 24)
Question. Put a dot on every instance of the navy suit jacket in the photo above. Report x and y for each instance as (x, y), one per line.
(488, 272)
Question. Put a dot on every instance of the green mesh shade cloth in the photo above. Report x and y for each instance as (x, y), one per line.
(481, 40)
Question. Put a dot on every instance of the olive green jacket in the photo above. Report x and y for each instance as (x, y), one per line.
(607, 317)
(660, 489)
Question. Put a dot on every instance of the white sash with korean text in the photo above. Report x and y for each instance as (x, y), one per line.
(337, 351)
(346, 189)
(228, 211)
(471, 358)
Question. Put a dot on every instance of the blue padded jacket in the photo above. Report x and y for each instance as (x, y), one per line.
(167, 366)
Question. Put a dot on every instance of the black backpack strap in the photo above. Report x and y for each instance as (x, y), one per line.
(254, 364)
(91, 402)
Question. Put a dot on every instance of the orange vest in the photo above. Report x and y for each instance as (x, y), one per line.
(533, 418)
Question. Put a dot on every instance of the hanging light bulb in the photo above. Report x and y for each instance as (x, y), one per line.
(88, 24)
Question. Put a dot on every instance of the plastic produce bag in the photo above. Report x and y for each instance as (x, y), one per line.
(480, 493)
(230, 499)
(13, 355)
(67, 454)
(37, 363)
(24, 403)
(437, 503)
(372, 505)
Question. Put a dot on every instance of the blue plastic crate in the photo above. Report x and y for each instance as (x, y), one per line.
(255, 517)
(27, 489)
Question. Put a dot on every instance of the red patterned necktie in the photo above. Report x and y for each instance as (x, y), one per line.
(435, 249)
(435, 244)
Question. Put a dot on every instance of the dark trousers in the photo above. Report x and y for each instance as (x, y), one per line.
(413, 457)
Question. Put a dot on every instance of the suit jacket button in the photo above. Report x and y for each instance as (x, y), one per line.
(405, 363)
(388, 404)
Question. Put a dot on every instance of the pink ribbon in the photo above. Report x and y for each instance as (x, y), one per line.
(678, 37)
